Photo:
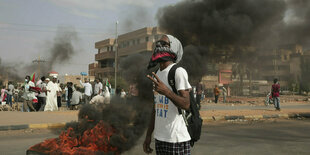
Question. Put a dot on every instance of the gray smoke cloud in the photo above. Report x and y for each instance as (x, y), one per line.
(58, 51)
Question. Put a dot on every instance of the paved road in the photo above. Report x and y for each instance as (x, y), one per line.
(252, 107)
(271, 137)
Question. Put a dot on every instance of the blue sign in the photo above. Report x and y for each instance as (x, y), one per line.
(83, 73)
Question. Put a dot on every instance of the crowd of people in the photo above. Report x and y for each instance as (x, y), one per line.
(47, 94)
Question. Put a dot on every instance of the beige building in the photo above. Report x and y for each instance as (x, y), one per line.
(137, 41)
(75, 79)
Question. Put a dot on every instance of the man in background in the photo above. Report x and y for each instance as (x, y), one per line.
(98, 88)
(199, 89)
(216, 93)
(10, 93)
(87, 90)
(275, 89)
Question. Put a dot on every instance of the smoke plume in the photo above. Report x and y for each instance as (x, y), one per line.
(207, 26)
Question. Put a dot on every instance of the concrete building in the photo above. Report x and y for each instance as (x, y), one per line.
(138, 41)
(283, 63)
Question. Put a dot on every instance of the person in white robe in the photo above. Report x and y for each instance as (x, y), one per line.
(51, 98)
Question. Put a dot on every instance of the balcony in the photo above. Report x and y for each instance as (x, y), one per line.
(104, 70)
(148, 46)
(104, 55)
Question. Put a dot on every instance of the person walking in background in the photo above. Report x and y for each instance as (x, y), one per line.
(69, 92)
(42, 95)
(59, 94)
(98, 88)
(88, 90)
(76, 98)
(9, 94)
(51, 98)
(3, 93)
(123, 96)
(199, 89)
(28, 95)
(275, 89)
(224, 91)
(118, 91)
(106, 94)
(216, 93)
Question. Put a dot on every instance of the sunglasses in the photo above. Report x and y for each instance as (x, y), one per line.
(161, 43)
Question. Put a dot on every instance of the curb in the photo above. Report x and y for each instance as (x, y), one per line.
(32, 126)
(205, 120)
(255, 117)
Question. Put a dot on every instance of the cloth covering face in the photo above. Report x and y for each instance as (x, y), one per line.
(162, 53)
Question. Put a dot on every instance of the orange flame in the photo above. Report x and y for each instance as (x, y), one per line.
(92, 140)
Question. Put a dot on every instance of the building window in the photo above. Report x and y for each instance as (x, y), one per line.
(133, 42)
(108, 48)
(111, 48)
(146, 39)
(138, 41)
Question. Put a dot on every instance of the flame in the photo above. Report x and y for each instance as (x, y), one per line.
(91, 141)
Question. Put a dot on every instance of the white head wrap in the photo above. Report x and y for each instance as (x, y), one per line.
(176, 47)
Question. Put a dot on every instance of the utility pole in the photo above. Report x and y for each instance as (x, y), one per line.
(116, 57)
(38, 61)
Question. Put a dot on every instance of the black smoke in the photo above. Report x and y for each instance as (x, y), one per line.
(207, 27)
(130, 119)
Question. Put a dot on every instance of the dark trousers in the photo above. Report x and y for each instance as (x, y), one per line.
(68, 102)
(41, 103)
(59, 101)
(198, 98)
(9, 99)
(87, 99)
(28, 104)
(216, 98)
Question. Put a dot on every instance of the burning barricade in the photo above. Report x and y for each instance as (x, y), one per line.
(111, 130)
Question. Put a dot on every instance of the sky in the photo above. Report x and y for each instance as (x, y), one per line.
(28, 27)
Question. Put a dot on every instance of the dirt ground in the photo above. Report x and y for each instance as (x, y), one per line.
(255, 101)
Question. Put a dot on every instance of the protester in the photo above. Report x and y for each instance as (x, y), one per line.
(9, 94)
(98, 100)
(170, 131)
(76, 98)
(3, 93)
(28, 95)
(87, 90)
(98, 88)
(199, 89)
(59, 94)
(123, 94)
(42, 95)
(106, 94)
(69, 91)
(275, 89)
(51, 98)
(216, 93)
(224, 91)
(118, 91)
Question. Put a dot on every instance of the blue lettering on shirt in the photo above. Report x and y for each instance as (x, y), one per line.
(166, 100)
(161, 106)
(166, 113)
(161, 98)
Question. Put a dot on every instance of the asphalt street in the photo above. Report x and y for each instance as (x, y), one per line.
(251, 107)
(264, 137)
